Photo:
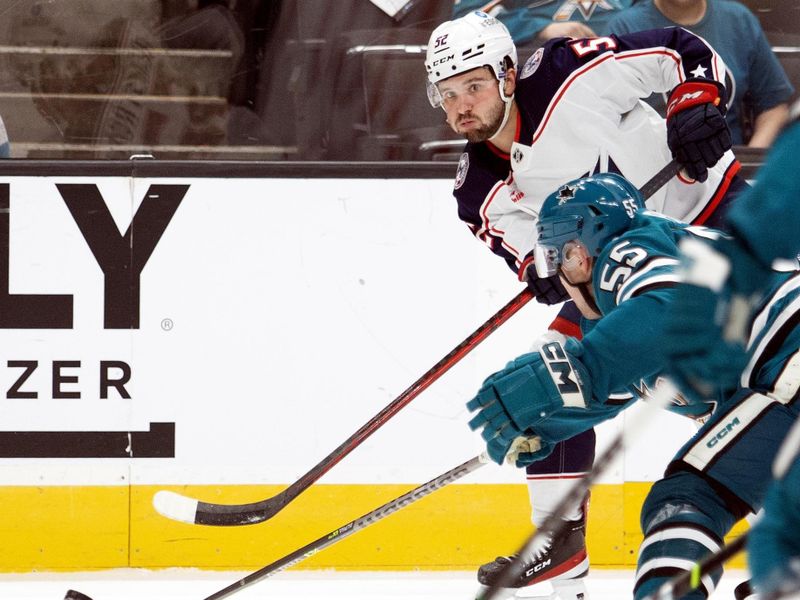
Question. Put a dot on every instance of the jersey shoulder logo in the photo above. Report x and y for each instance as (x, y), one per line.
(461, 171)
(532, 64)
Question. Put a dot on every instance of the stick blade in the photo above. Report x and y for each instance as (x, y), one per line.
(195, 512)
(75, 595)
(175, 506)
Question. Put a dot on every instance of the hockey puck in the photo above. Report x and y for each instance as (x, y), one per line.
(73, 595)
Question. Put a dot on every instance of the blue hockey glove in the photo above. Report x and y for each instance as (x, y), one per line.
(707, 324)
(697, 133)
(548, 290)
(523, 394)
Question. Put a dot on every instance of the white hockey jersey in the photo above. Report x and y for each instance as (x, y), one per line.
(581, 112)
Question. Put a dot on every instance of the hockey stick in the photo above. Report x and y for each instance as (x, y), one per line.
(682, 584)
(555, 523)
(189, 510)
(357, 525)
(659, 180)
(182, 508)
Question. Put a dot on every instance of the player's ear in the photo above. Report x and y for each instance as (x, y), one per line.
(510, 83)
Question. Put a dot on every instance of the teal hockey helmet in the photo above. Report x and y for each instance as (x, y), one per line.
(591, 211)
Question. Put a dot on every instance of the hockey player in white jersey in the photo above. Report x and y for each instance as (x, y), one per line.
(622, 265)
(574, 108)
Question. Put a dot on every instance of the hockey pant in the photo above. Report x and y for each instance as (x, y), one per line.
(716, 479)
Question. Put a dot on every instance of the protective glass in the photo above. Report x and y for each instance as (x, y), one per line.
(548, 258)
(434, 97)
(448, 92)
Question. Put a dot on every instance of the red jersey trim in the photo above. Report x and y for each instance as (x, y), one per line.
(488, 227)
(567, 327)
(524, 267)
(712, 205)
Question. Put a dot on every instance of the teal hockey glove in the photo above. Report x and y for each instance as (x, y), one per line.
(525, 393)
(707, 324)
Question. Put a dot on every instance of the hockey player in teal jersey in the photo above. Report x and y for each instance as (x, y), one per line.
(727, 277)
(620, 263)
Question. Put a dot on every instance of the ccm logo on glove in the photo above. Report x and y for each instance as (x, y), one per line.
(693, 93)
(566, 380)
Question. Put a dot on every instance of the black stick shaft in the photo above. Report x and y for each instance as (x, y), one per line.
(657, 181)
(414, 390)
(353, 526)
(207, 513)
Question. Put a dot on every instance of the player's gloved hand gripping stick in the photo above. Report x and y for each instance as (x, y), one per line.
(697, 133)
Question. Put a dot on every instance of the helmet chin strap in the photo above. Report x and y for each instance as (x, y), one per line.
(507, 100)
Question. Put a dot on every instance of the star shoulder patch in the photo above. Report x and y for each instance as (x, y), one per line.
(532, 64)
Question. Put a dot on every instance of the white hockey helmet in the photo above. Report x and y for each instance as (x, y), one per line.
(472, 41)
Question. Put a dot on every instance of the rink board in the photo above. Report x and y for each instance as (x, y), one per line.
(459, 527)
(221, 336)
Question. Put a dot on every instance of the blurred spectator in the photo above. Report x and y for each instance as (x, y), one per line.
(210, 25)
(242, 27)
(537, 22)
(759, 82)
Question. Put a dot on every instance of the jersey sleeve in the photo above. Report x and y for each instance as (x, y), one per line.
(492, 209)
(623, 349)
(633, 282)
(646, 61)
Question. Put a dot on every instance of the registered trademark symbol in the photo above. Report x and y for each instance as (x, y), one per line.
(167, 324)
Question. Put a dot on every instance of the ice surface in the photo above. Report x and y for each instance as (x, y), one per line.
(173, 584)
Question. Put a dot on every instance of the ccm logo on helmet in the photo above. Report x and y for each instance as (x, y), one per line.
(443, 60)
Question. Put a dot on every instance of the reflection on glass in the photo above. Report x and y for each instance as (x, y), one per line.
(239, 79)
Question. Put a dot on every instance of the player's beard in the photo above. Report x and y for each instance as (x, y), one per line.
(488, 127)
